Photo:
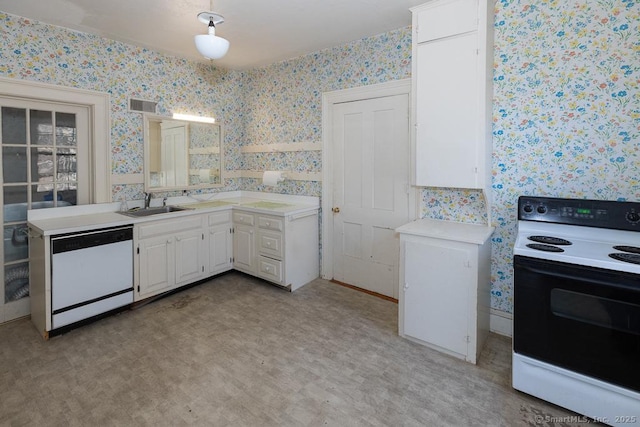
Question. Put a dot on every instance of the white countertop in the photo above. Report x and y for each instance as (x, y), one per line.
(73, 219)
(448, 230)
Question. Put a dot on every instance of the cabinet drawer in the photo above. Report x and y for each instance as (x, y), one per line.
(219, 218)
(270, 269)
(446, 18)
(169, 226)
(270, 244)
(270, 223)
(243, 218)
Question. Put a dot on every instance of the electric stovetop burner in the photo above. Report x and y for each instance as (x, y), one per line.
(630, 254)
(549, 240)
(626, 257)
(630, 249)
(546, 248)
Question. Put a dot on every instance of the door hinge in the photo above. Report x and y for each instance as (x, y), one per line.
(467, 338)
(231, 230)
(467, 264)
(203, 268)
(138, 250)
(232, 259)
(202, 236)
(138, 288)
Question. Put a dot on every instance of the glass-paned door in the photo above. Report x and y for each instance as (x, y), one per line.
(45, 163)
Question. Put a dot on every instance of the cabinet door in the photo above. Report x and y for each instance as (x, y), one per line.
(243, 248)
(437, 282)
(446, 18)
(189, 256)
(157, 267)
(447, 113)
(220, 249)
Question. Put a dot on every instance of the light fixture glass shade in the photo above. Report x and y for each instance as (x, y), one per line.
(212, 46)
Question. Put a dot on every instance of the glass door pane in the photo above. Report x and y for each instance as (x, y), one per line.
(14, 125)
(41, 151)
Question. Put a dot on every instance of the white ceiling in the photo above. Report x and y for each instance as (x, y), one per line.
(260, 32)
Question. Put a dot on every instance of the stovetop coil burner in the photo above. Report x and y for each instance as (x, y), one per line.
(549, 240)
(626, 257)
(629, 249)
(546, 248)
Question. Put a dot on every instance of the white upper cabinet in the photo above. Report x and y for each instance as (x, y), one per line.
(445, 18)
(452, 93)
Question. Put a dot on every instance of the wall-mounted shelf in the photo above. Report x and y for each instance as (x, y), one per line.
(205, 150)
(291, 175)
(282, 147)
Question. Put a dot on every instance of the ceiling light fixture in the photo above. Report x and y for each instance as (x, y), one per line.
(210, 45)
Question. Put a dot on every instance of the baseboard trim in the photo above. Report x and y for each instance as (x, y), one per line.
(375, 294)
(501, 322)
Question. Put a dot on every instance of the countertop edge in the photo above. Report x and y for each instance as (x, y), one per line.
(92, 221)
(448, 230)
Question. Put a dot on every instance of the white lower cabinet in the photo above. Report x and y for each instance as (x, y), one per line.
(170, 253)
(280, 249)
(444, 286)
(244, 242)
(220, 242)
(175, 252)
(190, 256)
(156, 271)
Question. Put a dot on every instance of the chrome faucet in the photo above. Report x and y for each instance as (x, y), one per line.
(147, 199)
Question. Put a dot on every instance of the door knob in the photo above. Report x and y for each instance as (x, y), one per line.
(335, 210)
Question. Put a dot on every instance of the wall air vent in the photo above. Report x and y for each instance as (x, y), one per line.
(142, 106)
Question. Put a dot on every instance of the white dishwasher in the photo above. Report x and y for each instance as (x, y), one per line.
(92, 273)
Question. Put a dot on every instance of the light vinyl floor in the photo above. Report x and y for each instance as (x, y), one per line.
(236, 351)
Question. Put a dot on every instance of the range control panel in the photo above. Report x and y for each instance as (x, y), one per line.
(588, 213)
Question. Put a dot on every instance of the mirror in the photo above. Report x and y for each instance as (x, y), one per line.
(181, 154)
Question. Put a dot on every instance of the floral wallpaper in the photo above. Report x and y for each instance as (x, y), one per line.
(566, 114)
(566, 110)
(566, 105)
(285, 100)
(34, 51)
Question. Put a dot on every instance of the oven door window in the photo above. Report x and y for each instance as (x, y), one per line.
(596, 311)
(583, 319)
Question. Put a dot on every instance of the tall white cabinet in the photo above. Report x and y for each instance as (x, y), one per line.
(445, 286)
(452, 75)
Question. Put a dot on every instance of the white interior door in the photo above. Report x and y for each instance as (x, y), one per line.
(370, 190)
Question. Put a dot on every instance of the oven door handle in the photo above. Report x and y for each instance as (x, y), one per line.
(549, 271)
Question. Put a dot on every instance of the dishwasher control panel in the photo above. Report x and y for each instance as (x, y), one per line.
(76, 241)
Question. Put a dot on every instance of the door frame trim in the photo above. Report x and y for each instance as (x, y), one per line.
(329, 99)
(98, 104)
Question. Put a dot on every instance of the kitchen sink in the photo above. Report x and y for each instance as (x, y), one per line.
(154, 211)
